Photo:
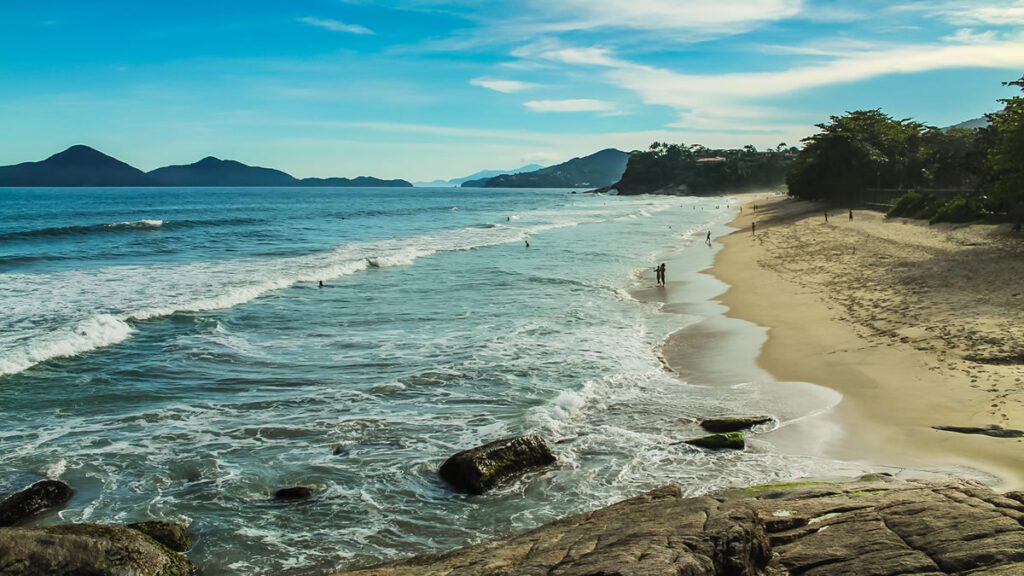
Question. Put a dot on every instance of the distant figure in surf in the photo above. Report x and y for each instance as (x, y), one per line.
(527, 243)
(508, 218)
(708, 239)
(826, 216)
(321, 283)
(659, 274)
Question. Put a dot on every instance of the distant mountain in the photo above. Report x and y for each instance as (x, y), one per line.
(84, 166)
(357, 182)
(599, 169)
(212, 171)
(971, 124)
(481, 175)
(77, 166)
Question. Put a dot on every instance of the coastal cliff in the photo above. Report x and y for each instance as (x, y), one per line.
(875, 526)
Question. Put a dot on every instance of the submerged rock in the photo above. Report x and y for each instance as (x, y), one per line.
(478, 469)
(294, 493)
(87, 549)
(731, 440)
(883, 527)
(171, 534)
(993, 430)
(733, 423)
(36, 498)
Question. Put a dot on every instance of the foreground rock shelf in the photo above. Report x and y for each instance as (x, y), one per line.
(877, 526)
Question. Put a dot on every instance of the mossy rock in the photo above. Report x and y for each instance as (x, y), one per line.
(171, 534)
(479, 469)
(733, 423)
(41, 496)
(87, 549)
(727, 440)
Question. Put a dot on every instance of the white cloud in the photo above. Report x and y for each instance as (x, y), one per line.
(570, 105)
(503, 86)
(335, 25)
(555, 52)
(700, 16)
(970, 12)
(969, 36)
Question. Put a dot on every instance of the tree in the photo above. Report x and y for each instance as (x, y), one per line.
(1006, 157)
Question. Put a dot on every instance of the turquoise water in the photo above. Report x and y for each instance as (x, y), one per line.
(169, 354)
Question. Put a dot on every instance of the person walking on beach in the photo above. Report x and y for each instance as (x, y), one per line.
(708, 239)
(753, 229)
(851, 214)
(826, 216)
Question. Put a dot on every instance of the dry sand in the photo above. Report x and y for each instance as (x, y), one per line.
(914, 325)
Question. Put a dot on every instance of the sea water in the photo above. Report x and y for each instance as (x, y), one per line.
(170, 354)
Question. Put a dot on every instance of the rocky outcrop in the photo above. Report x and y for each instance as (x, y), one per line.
(87, 549)
(294, 493)
(733, 423)
(42, 495)
(171, 534)
(478, 469)
(994, 430)
(728, 440)
(874, 527)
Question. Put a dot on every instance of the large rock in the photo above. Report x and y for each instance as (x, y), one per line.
(478, 469)
(42, 495)
(728, 440)
(171, 534)
(875, 527)
(86, 550)
(294, 493)
(733, 423)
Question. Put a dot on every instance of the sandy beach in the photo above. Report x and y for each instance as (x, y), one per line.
(915, 325)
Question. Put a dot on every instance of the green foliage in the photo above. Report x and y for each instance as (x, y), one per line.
(1006, 156)
(958, 210)
(914, 204)
(699, 170)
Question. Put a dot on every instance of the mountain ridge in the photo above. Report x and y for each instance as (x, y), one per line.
(601, 168)
(83, 166)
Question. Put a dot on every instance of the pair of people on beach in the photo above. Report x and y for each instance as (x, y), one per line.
(659, 274)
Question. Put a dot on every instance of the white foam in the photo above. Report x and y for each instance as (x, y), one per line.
(92, 333)
(138, 224)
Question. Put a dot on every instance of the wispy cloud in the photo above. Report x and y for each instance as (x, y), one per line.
(503, 86)
(969, 12)
(335, 25)
(695, 16)
(570, 105)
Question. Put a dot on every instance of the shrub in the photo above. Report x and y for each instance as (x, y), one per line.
(958, 210)
(913, 204)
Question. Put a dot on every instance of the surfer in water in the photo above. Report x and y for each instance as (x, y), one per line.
(321, 284)
(527, 243)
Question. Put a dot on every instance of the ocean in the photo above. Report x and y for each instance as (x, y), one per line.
(170, 354)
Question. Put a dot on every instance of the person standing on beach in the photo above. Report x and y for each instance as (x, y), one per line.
(662, 273)
(826, 216)
(708, 239)
(753, 224)
(851, 214)
(657, 275)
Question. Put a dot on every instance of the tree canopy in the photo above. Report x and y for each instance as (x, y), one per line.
(698, 170)
(865, 151)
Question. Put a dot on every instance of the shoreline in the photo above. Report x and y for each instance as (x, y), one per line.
(894, 389)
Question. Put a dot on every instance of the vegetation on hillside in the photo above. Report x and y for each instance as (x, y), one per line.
(697, 170)
(951, 175)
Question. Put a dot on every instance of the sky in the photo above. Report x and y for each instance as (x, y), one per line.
(426, 89)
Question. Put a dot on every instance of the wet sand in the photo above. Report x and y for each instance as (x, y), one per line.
(915, 325)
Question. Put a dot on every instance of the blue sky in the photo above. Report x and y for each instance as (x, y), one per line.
(424, 89)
